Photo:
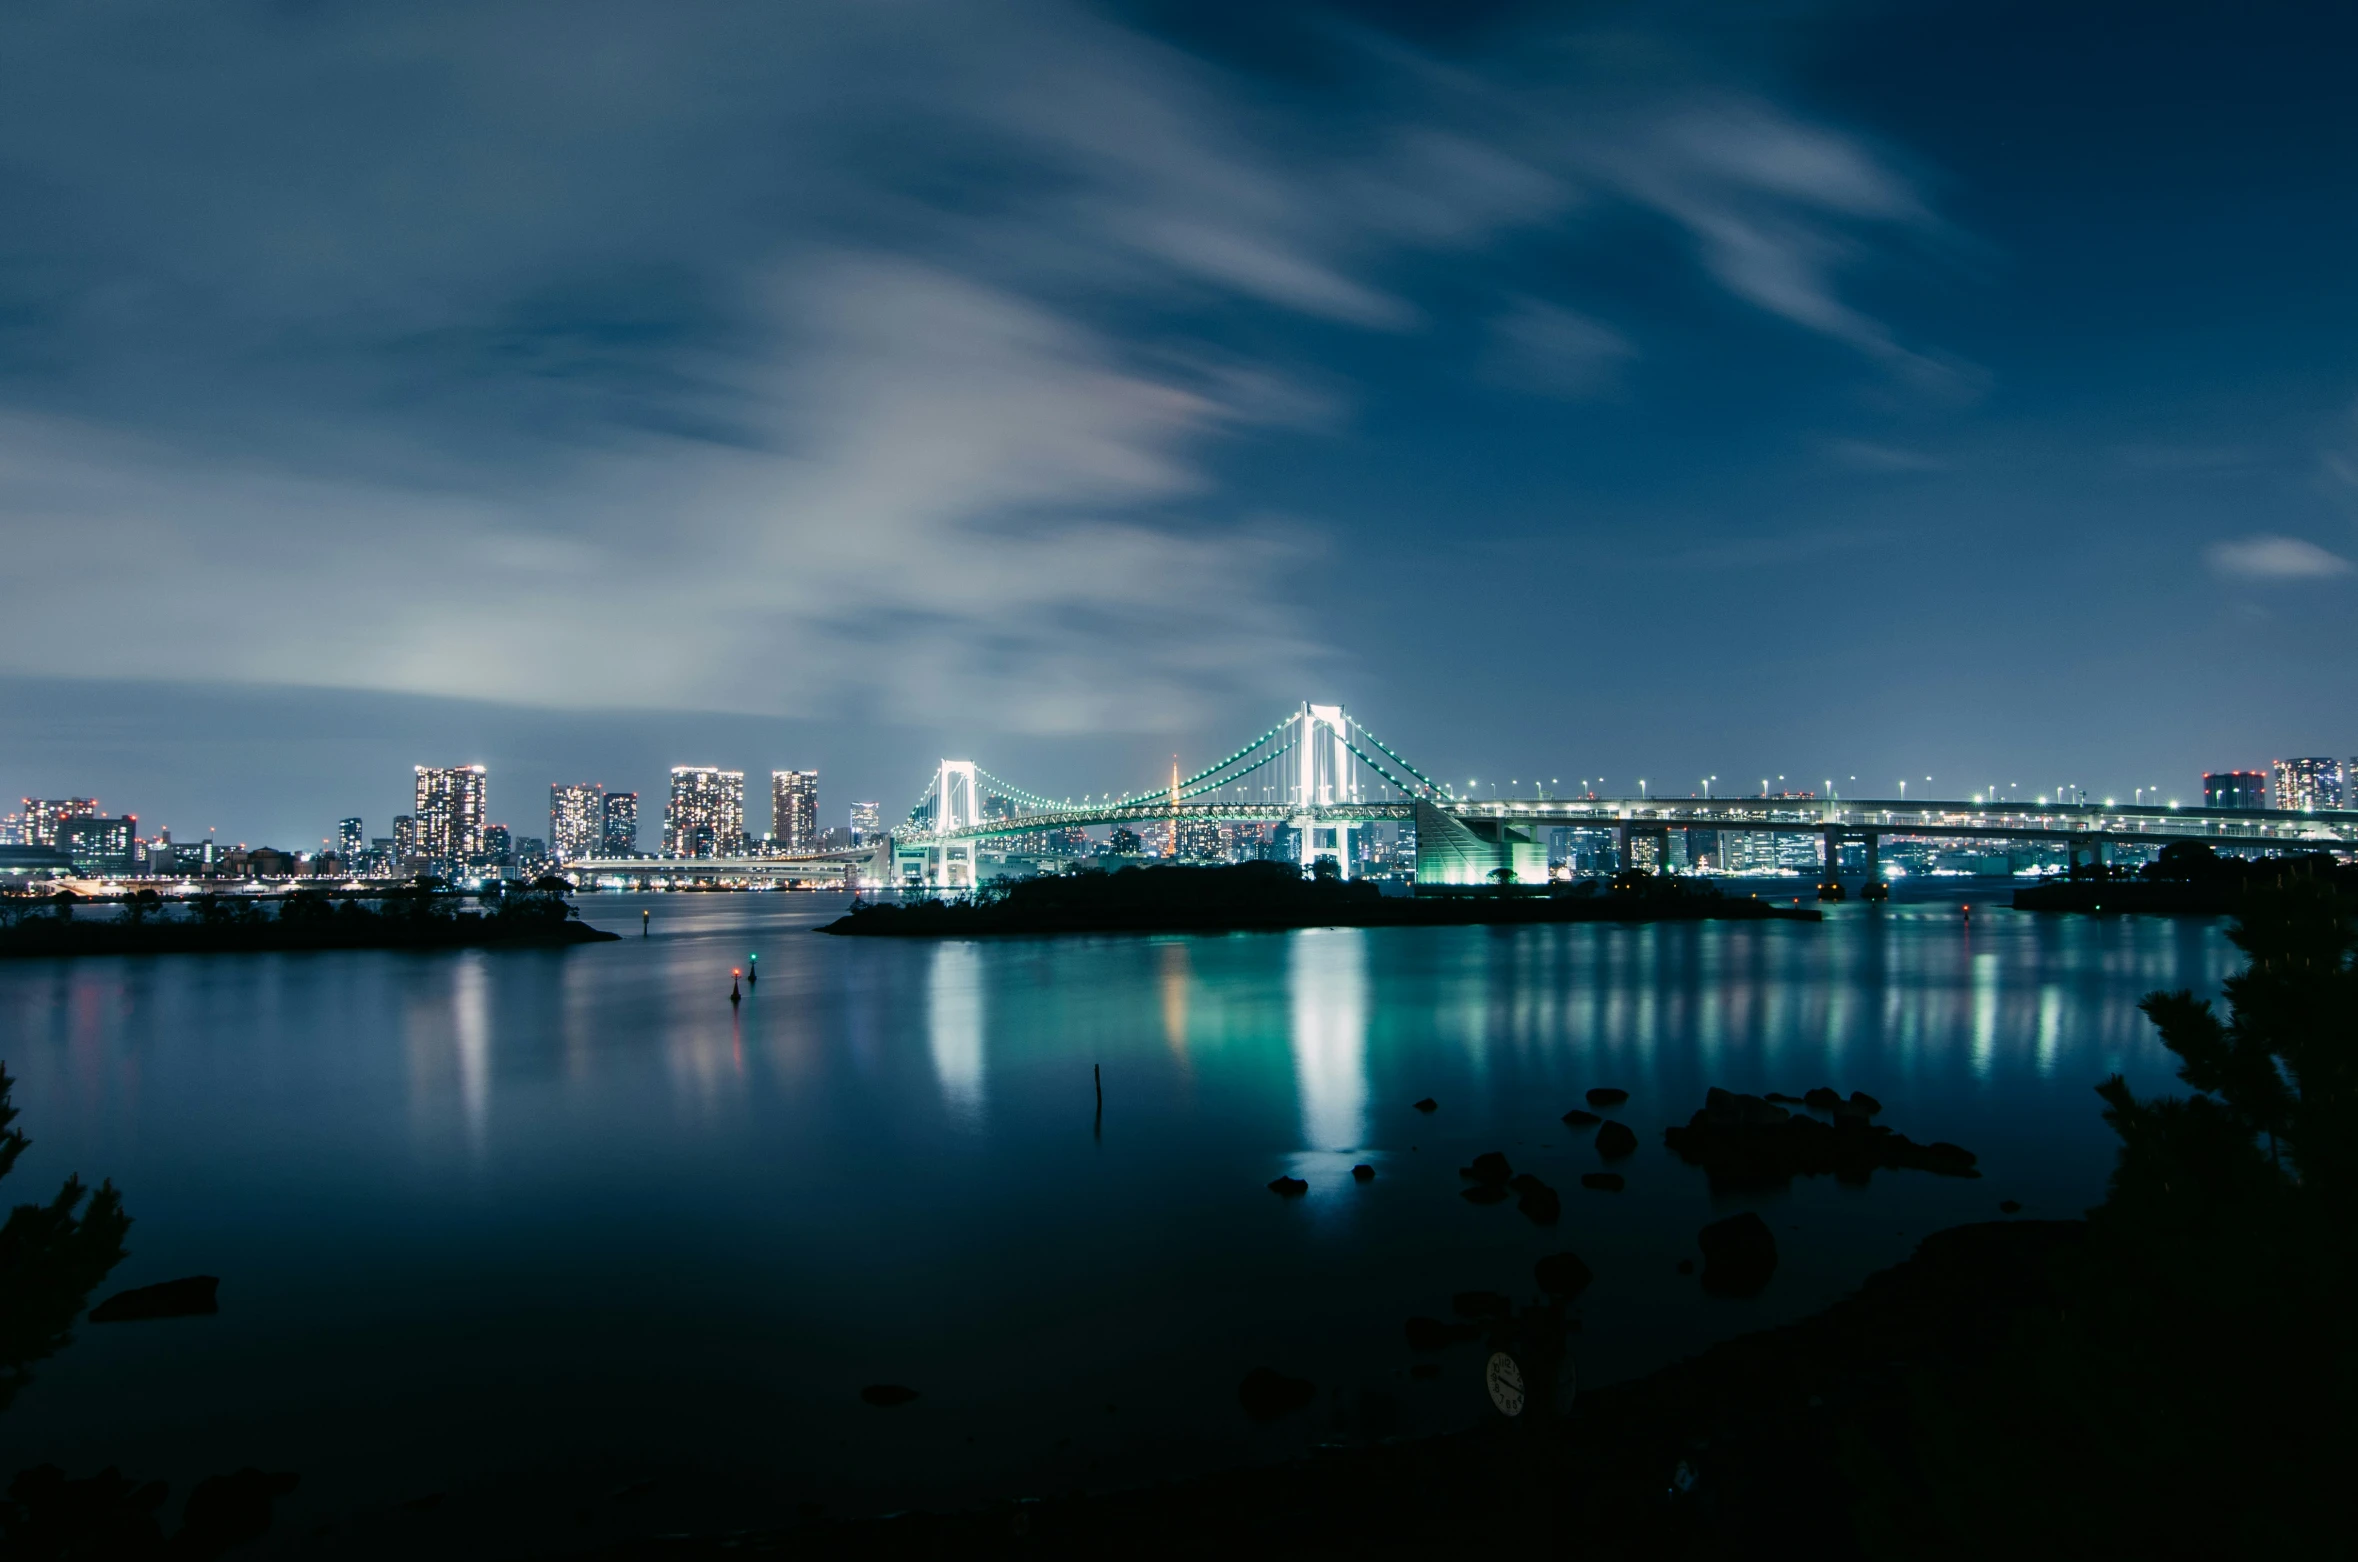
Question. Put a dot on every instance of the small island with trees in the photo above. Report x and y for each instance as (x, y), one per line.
(415, 916)
(2188, 879)
(1273, 896)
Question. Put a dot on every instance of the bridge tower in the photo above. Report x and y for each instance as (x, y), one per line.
(1320, 772)
(957, 805)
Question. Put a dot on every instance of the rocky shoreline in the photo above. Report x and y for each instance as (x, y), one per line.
(1785, 1442)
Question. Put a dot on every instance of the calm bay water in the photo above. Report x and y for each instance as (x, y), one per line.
(535, 1248)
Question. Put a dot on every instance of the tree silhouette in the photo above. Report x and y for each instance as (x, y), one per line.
(2190, 1389)
(52, 1256)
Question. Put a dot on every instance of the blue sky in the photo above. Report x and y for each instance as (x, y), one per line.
(1665, 391)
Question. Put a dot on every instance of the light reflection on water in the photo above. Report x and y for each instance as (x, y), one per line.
(1329, 985)
(535, 1208)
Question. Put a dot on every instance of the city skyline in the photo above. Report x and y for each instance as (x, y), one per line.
(705, 816)
(1740, 342)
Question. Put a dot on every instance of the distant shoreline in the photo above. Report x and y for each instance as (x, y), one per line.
(1269, 897)
(50, 938)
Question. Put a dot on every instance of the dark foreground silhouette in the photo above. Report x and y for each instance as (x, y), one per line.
(223, 924)
(2176, 1376)
(1266, 896)
(52, 1257)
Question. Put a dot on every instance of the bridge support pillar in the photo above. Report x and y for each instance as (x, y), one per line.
(1621, 860)
(1874, 888)
(1830, 879)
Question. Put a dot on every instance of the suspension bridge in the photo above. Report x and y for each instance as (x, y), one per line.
(1326, 780)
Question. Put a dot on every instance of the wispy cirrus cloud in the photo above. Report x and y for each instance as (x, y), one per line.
(2274, 559)
(781, 363)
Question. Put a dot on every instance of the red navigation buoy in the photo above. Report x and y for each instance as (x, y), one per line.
(734, 995)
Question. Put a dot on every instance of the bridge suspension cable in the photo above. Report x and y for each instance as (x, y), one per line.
(1431, 786)
(1014, 793)
(1186, 791)
(1378, 768)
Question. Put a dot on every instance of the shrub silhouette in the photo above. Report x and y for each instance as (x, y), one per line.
(2195, 1390)
(52, 1256)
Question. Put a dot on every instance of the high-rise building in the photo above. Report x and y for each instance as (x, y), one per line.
(531, 852)
(2308, 784)
(45, 819)
(621, 836)
(405, 840)
(794, 810)
(706, 814)
(577, 820)
(1198, 840)
(349, 840)
(450, 815)
(867, 822)
(2235, 789)
(99, 845)
(499, 844)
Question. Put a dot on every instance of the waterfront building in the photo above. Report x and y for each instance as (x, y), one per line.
(621, 837)
(405, 842)
(577, 820)
(45, 819)
(532, 853)
(99, 845)
(2305, 785)
(867, 822)
(794, 811)
(706, 814)
(2235, 789)
(349, 840)
(450, 813)
(498, 845)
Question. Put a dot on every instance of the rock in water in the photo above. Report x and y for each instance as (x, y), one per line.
(1615, 1140)
(1363, 1173)
(884, 1396)
(1747, 1142)
(1603, 1182)
(1288, 1187)
(2009, 1206)
(1489, 1166)
(172, 1299)
(1823, 1098)
(1562, 1274)
(1428, 1104)
(1865, 1102)
(1579, 1119)
(1739, 1255)
(1607, 1096)
(1267, 1394)
(1540, 1204)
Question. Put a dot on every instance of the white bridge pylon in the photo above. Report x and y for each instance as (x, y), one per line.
(951, 864)
(1321, 772)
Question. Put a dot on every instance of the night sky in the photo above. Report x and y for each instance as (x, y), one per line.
(1668, 390)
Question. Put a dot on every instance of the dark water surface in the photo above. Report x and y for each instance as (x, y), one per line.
(505, 1237)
